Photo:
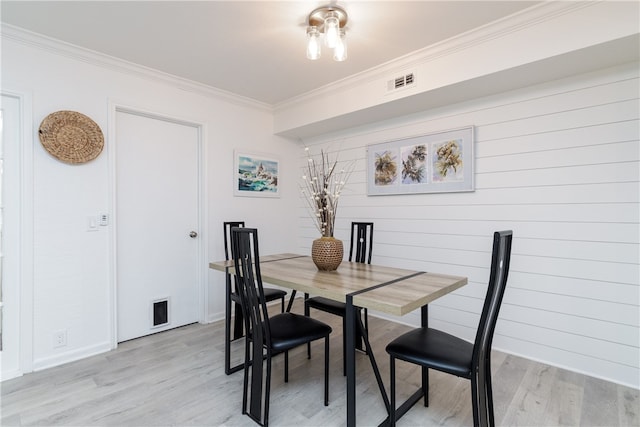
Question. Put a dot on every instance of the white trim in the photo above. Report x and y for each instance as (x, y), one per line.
(111, 167)
(203, 224)
(70, 356)
(26, 246)
(115, 107)
(25, 256)
(11, 374)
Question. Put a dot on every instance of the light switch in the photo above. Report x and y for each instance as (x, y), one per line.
(92, 223)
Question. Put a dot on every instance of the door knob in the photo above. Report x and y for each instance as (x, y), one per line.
(193, 234)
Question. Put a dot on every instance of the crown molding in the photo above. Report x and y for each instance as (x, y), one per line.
(501, 28)
(58, 47)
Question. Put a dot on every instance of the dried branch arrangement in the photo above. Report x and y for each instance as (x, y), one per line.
(321, 189)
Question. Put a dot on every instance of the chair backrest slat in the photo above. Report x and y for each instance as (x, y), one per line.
(361, 233)
(500, 259)
(246, 259)
(227, 226)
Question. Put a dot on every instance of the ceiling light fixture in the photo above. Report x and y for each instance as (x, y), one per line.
(330, 21)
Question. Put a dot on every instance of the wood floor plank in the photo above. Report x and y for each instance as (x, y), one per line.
(628, 407)
(176, 378)
(600, 403)
(506, 379)
(530, 400)
(565, 404)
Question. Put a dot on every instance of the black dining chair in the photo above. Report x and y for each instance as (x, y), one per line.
(270, 294)
(267, 335)
(360, 250)
(431, 348)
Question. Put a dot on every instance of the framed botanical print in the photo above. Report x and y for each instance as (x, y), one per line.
(434, 163)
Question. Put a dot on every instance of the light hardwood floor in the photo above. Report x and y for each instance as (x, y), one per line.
(177, 378)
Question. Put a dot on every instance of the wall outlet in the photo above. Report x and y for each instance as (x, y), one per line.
(60, 339)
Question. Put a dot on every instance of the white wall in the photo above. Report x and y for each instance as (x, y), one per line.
(71, 267)
(559, 164)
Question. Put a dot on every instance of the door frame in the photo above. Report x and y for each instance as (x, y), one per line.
(25, 239)
(202, 297)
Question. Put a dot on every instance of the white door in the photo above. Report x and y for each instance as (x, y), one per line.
(157, 224)
(9, 236)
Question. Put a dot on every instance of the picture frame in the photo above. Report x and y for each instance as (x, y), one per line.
(255, 174)
(439, 162)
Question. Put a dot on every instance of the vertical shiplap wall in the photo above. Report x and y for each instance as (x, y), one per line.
(559, 165)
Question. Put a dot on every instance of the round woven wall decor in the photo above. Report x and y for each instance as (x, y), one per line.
(71, 137)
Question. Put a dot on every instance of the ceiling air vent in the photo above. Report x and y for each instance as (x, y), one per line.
(400, 82)
(408, 79)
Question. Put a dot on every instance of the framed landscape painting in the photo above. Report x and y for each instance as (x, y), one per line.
(255, 175)
(435, 163)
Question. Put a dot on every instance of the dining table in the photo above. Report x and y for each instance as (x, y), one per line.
(389, 290)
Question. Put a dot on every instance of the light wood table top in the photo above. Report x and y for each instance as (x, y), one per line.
(390, 290)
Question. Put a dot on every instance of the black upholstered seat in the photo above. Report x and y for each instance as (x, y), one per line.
(268, 335)
(290, 330)
(270, 294)
(432, 348)
(360, 250)
(326, 304)
(440, 350)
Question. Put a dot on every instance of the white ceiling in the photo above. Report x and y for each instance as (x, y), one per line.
(251, 48)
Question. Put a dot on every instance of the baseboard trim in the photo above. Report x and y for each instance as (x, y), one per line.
(70, 356)
(10, 375)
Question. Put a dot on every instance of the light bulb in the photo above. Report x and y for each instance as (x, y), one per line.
(313, 43)
(331, 30)
(340, 51)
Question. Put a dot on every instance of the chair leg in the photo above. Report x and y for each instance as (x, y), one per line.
(247, 364)
(237, 322)
(481, 398)
(392, 391)
(326, 371)
(291, 300)
(282, 306)
(307, 313)
(286, 366)
(489, 393)
(227, 338)
(425, 386)
(267, 391)
(474, 400)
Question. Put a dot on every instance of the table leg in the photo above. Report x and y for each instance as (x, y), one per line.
(424, 322)
(350, 354)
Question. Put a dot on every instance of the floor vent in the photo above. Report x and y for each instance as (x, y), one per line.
(160, 312)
